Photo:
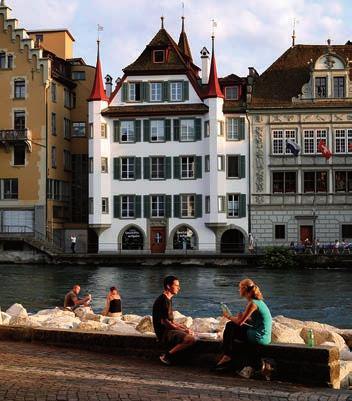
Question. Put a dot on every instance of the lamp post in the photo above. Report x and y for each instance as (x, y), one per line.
(314, 230)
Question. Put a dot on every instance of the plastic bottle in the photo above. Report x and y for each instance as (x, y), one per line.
(225, 308)
(310, 339)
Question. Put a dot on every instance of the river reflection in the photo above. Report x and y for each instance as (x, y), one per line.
(321, 295)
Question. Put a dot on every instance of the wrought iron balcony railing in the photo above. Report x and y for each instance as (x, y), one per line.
(8, 136)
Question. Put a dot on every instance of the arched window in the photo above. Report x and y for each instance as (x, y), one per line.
(185, 238)
(132, 239)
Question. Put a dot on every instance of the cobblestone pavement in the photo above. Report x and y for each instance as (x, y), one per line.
(35, 372)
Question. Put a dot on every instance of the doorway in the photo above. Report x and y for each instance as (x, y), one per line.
(306, 232)
(232, 241)
(157, 239)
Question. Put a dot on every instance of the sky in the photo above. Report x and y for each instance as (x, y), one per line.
(248, 33)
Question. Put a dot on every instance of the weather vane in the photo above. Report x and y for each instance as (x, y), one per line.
(99, 28)
(295, 22)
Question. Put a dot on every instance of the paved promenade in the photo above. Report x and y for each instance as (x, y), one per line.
(33, 372)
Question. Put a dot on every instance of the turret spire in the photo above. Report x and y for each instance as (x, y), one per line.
(98, 92)
(183, 40)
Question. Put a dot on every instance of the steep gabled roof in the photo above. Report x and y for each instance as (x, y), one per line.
(183, 42)
(98, 92)
(284, 79)
(214, 89)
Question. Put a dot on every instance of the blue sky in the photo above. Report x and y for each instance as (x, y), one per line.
(248, 33)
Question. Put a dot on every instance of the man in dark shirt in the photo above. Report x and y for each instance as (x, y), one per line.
(72, 301)
(175, 336)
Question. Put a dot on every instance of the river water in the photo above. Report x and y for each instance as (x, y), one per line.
(321, 295)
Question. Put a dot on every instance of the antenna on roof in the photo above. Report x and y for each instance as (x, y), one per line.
(162, 22)
(295, 22)
(183, 16)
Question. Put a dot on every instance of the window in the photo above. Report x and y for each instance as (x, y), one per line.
(221, 163)
(187, 205)
(91, 206)
(311, 139)
(9, 61)
(19, 155)
(233, 129)
(69, 99)
(127, 206)
(6, 60)
(20, 89)
(343, 141)
(19, 120)
(155, 91)
(67, 128)
(78, 75)
(67, 160)
(187, 130)
(157, 130)
(346, 231)
(53, 92)
(231, 92)
(10, 188)
(284, 182)
(233, 205)
(233, 166)
(343, 181)
(220, 128)
(91, 165)
(221, 204)
(104, 164)
(320, 87)
(91, 130)
(315, 181)
(339, 87)
(187, 167)
(157, 206)
(127, 168)
(39, 38)
(157, 168)
(206, 129)
(176, 91)
(53, 123)
(280, 232)
(207, 204)
(279, 138)
(158, 56)
(207, 163)
(79, 129)
(134, 91)
(127, 131)
(103, 133)
(105, 205)
(53, 157)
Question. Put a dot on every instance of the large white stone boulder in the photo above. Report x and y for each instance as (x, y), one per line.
(91, 325)
(19, 321)
(322, 336)
(321, 326)
(120, 327)
(205, 325)
(345, 374)
(222, 323)
(17, 310)
(5, 319)
(347, 336)
(182, 319)
(94, 317)
(62, 322)
(133, 319)
(81, 311)
(145, 325)
(282, 334)
(288, 322)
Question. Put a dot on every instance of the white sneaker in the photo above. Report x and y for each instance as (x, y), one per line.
(246, 372)
(164, 359)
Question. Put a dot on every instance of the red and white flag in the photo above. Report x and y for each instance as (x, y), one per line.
(323, 149)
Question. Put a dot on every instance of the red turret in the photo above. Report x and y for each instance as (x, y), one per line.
(213, 83)
(98, 92)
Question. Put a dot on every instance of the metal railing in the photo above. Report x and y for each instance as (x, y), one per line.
(14, 134)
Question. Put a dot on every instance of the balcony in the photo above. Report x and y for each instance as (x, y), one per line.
(10, 136)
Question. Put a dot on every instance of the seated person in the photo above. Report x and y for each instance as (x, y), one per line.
(113, 304)
(73, 302)
(251, 326)
(175, 336)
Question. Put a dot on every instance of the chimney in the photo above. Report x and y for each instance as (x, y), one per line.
(108, 85)
(205, 65)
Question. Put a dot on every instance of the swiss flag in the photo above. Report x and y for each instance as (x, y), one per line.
(324, 150)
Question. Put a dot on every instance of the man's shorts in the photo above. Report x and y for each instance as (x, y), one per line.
(173, 337)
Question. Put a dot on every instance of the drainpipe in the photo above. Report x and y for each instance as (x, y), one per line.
(249, 176)
(47, 84)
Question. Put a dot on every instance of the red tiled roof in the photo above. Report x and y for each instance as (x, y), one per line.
(98, 92)
(214, 89)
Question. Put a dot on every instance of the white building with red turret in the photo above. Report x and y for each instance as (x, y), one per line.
(168, 154)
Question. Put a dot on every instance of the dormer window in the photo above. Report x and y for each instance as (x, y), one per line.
(320, 87)
(159, 56)
(339, 87)
(231, 92)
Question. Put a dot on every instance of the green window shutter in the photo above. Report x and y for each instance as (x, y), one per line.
(146, 168)
(124, 93)
(177, 167)
(137, 206)
(177, 206)
(117, 130)
(137, 130)
(146, 130)
(176, 130)
(168, 206)
(199, 167)
(116, 168)
(242, 205)
(198, 129)
(168, 130)
(166, 91)
(137, 168)
(199, 206)
(241, 134)
(242, 167)
(185, 90)
(117, 207)
(168, 167)
(146, 206)
(145, 91)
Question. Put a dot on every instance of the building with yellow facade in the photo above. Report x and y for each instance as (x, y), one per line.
(43, 135)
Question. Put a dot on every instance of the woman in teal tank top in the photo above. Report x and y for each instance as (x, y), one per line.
(253, 325)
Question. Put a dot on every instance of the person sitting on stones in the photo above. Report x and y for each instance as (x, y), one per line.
(113, 306)
(176, 337)
(251, 326)
(73, 302)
